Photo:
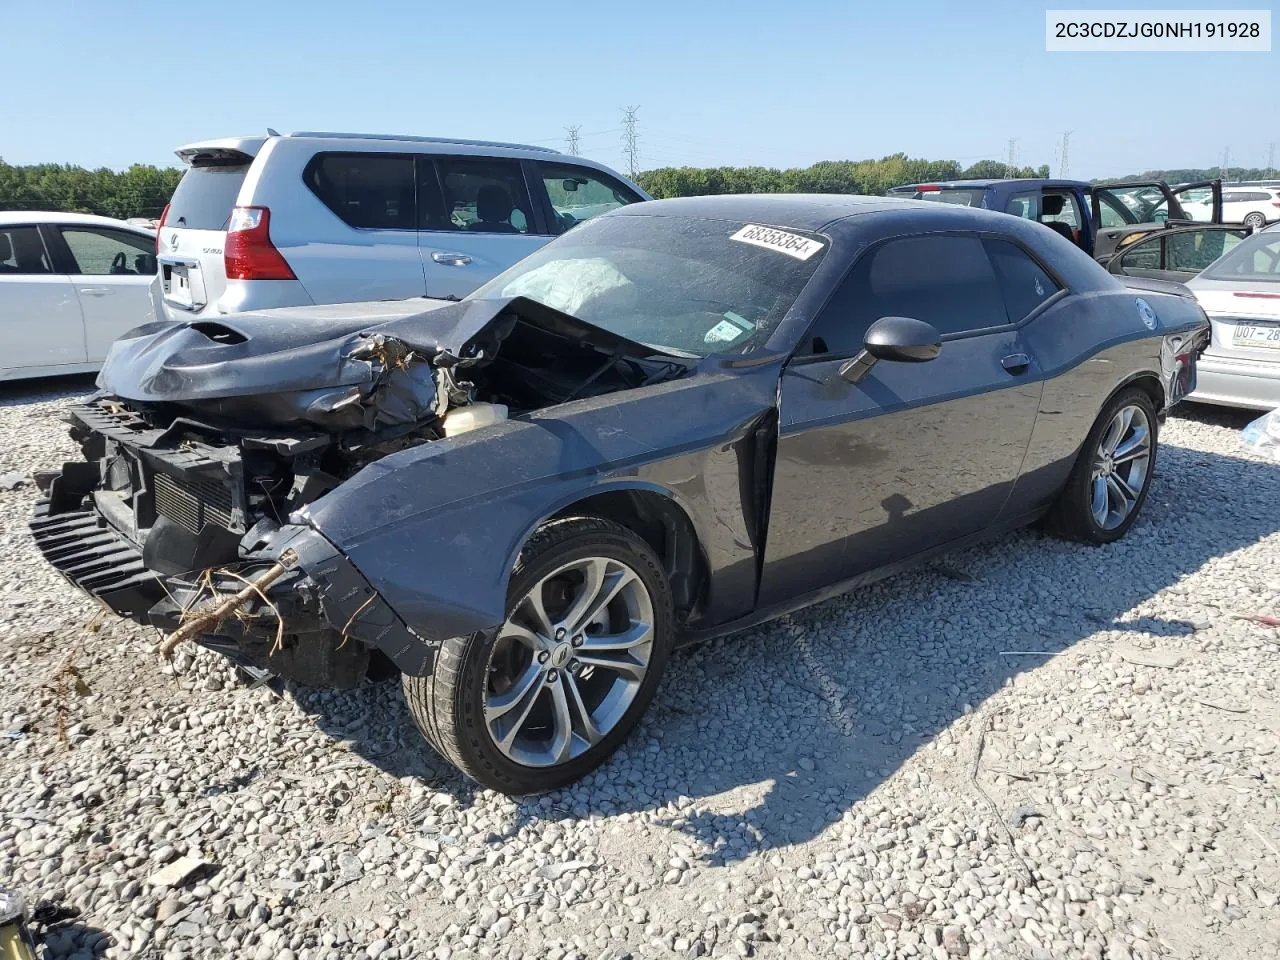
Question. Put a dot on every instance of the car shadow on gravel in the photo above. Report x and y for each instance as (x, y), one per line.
(21, 393)
(764, 739)
(71, 939)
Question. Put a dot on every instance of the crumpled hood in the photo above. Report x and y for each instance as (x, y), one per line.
(328, 366)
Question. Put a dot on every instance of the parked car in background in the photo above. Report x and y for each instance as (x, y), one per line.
(311, 218)
(1099, 218)
(1236, 278)
(1255, 207)
(70, 283)
(671, 423)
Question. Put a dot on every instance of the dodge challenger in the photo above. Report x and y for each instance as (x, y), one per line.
(677, 420)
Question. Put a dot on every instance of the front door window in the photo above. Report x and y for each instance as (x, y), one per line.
(580, 193)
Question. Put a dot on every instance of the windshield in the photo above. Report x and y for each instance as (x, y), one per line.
(696, 286)
(1255, 258)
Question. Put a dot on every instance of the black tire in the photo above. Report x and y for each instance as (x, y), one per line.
(448, 703)
(1072, 517)
(1255, 221)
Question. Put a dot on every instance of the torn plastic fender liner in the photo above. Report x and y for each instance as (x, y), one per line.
(350, 604)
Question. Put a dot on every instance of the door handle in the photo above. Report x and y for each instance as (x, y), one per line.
(95, 291)
(1016, 363)
(451, 259)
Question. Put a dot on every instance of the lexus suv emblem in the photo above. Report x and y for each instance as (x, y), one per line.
(173, 242)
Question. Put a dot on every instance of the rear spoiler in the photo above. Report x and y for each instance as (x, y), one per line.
(214, 157)
(1171, 287)
(225, 152)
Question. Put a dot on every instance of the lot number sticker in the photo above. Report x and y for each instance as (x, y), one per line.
(792, 244)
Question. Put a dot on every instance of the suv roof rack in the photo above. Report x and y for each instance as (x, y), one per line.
(391, 136)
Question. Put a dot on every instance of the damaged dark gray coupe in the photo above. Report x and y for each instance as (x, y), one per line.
(677, 420)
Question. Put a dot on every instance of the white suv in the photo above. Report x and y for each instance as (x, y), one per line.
(305, 218)
(1253, 206)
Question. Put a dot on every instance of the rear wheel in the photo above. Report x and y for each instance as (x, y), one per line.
(1108, 484)
(557, 688)
(1255, 221)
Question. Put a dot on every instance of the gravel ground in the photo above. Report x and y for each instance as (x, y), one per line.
(1034, 749)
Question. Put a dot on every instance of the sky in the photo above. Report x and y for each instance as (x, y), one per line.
(776, 84)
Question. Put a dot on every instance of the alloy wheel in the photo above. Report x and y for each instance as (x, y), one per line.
(1120, 467)
(568, 662)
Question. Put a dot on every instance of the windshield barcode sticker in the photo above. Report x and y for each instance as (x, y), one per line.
(792, 244)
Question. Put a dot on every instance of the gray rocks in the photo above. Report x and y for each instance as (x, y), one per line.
(802, 789)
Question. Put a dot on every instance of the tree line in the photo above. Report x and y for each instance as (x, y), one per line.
(872, 177)
(143, 190)
(1191, 175)
(140, 191)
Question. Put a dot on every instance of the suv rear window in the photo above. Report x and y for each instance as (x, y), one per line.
(370, 190)
(966, 198)
(205, 196)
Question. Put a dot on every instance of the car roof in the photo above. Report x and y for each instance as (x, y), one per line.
(800, 211)
(252, 145)
(320, 141)
(51, 216)
(994, 182)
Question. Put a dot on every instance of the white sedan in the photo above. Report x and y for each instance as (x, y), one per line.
(1235, 275)
(1241, 294)
(70, 284)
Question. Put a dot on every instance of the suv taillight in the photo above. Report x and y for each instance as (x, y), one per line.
(248, 253)
(160, 226)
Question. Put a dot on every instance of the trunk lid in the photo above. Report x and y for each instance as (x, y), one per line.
(192, 274)
(1245, 319)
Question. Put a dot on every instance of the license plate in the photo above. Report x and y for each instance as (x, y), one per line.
(177, 284)
(1266, 335)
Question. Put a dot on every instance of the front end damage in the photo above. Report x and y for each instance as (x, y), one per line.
(209, 440)
(164, 530)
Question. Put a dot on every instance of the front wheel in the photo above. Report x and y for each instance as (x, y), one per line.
(549, 695)
(1108, 484)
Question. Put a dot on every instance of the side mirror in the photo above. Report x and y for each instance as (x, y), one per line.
(900, 339)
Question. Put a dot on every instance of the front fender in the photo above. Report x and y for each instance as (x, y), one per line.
(436, 529)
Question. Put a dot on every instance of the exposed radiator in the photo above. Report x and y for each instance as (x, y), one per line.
(192, 503)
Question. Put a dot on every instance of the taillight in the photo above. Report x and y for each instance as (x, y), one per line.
(248, 253)
(1275, 203)
(928, 189)
(160, 226)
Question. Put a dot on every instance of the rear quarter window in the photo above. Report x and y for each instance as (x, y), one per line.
(366, 190)
(1023, 283)
(205, 196)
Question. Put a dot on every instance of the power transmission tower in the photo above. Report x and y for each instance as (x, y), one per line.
(1271, 157)
(1064, 164)
(1226, 163)
(574, 132)
(630, 140)
(1013, 155)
